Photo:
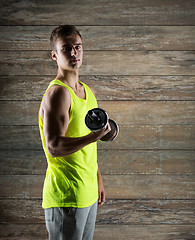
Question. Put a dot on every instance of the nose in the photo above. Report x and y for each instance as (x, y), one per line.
(73, 51)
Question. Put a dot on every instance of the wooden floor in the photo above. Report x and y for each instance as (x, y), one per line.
(139, 58)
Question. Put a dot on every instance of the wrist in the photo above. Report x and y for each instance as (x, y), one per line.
(93, 137)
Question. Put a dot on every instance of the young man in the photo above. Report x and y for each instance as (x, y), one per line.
(73, 185)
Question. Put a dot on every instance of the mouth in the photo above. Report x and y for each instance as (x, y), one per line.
(75, 60)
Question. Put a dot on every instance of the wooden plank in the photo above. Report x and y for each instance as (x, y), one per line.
(146, 162)
(144, 12)
(23, 231)
(133, 37)
(118, 212)
(150, 212)
(102, 63)
(26, 137)
(106, 87)
(142, 113)
(117, 186)
(123, 112)
(146, 232)
(131, 162)
(22, 162)
(150, 186)
(103, 232)
(133, 137)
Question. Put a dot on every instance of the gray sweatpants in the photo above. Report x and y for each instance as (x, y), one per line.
(71, 223)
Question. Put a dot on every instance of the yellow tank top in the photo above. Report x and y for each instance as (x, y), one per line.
(71, 181)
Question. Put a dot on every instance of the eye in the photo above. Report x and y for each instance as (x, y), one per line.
(67, 49)
(78, 47)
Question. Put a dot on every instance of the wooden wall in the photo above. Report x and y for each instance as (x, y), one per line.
(139, 57)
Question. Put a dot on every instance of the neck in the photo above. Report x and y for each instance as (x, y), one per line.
(70, 78)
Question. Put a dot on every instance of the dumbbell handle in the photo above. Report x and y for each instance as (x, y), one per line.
(94, 117)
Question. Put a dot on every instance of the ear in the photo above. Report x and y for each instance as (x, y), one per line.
(54, 55)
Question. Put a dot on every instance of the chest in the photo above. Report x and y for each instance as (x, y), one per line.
(80, 92)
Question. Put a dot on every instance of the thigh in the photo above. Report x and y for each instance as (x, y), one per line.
(71, 223)
(84, 223)
(60, 223)
(90, 223)
(53, 223)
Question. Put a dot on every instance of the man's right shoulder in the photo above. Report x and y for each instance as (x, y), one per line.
(57, 90)
(57, 94)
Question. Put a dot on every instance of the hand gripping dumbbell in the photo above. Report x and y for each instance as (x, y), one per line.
(96, 119)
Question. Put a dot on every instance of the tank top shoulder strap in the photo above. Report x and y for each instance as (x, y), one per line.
(58, 82)
(88, 90)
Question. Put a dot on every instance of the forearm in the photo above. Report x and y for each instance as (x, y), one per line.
(102, 193)
(63, 146)
(99, 175)
(60, 146)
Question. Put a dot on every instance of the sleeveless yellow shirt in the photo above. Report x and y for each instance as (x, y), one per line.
(71, 181)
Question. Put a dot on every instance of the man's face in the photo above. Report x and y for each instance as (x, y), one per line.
(69, 53)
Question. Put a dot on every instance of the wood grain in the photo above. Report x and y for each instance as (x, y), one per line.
(176, 162)
(123, 112)
(150, 187)
(146, 162)
(23, 231)
(102, 63)
(98, 37)
(117, 186)
(117, 212)
(139, 58)
(162, 12)
(150, 137)
(146, 232)
(105, 232)
(110, 88)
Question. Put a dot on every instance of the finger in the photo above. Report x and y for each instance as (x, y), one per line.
(103, 197)
(99, 202)
(99, 199)
(108, 127)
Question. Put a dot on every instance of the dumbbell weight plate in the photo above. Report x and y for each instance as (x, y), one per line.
(113, 133)
(96, 119)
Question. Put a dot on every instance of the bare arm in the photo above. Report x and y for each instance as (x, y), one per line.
(101, 190)
(55, 116)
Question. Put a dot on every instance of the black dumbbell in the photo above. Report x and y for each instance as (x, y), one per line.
(96, 119)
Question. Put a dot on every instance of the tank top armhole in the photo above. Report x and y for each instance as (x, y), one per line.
(59, 83)
(88, 90)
